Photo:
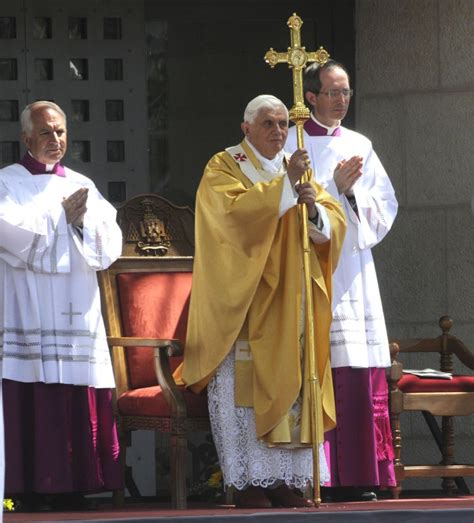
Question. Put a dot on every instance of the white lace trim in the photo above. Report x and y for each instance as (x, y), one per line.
(243, 459)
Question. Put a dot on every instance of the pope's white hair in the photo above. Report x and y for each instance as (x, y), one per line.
(25, 118)
(263, 101)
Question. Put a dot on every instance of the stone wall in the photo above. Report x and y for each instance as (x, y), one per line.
(415, 101)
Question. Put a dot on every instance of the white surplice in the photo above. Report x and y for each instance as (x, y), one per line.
(51, 326)
(358, 332)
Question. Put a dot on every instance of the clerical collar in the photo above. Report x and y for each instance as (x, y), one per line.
(35, 167)
(315, 128)
(274, 165)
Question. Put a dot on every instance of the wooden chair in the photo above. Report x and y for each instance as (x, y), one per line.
(433, 397)
(145, 297)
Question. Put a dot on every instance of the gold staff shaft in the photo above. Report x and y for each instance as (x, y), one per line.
(296, 57)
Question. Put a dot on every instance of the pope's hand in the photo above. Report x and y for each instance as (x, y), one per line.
(346, 173)
(75, 207)
(307, 194)
(298, 164)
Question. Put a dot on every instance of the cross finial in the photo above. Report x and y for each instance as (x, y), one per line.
(297, 57)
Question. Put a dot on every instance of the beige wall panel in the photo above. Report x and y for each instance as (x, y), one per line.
(440, 156)
(460, 266)
(411, 267)
(397, 45)
(456, 19)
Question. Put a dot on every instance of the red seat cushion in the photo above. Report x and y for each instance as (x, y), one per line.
(411, 383)
(152, 305)
(149, 401)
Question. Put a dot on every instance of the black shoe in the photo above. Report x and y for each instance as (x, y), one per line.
(344, 494)
(368, 495)
(362, 494)
(327, 494)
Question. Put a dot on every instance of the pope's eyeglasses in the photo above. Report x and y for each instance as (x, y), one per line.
(336, 93)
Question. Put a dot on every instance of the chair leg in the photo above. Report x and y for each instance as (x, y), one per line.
(118, 498)
(438, 437)
(229, 495)
(125, 438)
(396, 490)
(130, 483)
(178, 443)
(447, 430)
(395, 409)
(397, 449)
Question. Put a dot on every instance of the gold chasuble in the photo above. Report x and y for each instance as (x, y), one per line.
(248, 285)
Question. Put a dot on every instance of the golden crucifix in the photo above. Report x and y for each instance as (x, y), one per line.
(297, 57)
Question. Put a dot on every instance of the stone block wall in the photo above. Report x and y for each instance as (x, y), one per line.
(415, 100)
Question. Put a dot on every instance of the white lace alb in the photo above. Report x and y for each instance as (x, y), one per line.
(243, 459)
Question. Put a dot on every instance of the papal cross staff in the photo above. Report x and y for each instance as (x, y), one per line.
(297, 57)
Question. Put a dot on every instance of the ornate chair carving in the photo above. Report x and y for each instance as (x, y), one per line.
(433, 397)
(145, 296)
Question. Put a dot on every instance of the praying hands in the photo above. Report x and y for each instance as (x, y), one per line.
(75, 207)
(346, 173)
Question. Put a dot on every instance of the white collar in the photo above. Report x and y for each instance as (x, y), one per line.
(273, 165)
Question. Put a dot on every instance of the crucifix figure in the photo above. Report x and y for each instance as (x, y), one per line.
(297, 57)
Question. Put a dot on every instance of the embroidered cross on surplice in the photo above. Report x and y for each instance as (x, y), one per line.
(70, 313)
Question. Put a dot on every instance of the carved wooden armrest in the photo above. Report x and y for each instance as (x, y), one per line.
(163, 351)
(394, 350)
(173, 346)
(395, 371)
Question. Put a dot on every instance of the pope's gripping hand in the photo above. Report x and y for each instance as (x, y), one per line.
(299, 163)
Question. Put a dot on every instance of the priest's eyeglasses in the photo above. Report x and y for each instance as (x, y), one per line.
(336, 93)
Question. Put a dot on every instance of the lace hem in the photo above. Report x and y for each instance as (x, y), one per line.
(243, 459)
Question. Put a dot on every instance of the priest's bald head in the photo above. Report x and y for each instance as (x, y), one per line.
(265, 124)
(44, 131)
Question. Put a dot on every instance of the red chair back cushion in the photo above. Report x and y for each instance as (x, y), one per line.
(152, 305)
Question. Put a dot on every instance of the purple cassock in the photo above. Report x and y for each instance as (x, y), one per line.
(359, 451)
(58, 438)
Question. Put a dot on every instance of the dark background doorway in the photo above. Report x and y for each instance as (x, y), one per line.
(206, 63)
